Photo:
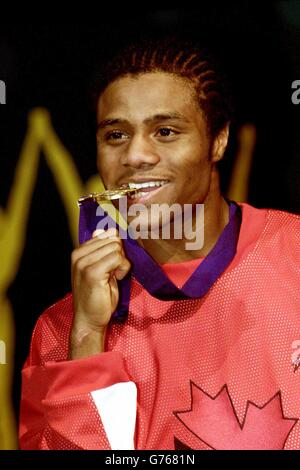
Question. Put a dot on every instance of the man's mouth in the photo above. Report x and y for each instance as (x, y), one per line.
(146, 189)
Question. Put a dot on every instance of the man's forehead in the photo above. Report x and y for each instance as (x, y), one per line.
(146, 96)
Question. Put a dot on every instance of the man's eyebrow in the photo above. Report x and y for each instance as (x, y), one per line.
(156, 117)
(110, 122)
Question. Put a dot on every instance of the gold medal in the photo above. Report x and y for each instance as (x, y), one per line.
(108, 195)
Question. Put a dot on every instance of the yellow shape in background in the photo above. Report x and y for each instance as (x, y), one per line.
(238, 189)
(13, 222)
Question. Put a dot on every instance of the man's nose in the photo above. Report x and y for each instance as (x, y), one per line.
(140, 153)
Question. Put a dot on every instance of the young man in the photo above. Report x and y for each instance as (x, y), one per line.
(205, 356)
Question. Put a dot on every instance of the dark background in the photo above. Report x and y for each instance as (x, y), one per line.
(51, 66)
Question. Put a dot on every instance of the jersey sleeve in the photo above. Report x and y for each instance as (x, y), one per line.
(87, 403)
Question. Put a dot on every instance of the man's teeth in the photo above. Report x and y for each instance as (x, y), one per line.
(139, 194)
(148, 184)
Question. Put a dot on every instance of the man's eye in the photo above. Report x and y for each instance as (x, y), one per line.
(116, 135)
(166, 132)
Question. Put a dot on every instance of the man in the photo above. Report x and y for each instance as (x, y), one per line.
(204, 356)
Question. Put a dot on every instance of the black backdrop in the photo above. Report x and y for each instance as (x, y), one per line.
(51, 65)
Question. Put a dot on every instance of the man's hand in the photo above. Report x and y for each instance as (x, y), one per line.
(96, 267)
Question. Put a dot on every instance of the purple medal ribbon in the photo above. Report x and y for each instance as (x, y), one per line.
(149, 274)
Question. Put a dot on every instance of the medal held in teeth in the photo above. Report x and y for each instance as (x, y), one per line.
(107, 195)
(111, 194)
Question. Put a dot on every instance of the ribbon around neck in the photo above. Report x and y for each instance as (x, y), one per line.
(149, 274)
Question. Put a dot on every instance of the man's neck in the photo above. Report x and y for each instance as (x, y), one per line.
(216, 217)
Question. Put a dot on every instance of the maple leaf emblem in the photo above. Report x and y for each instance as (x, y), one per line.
(214, 421)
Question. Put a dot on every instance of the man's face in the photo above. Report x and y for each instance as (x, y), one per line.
(151, 129)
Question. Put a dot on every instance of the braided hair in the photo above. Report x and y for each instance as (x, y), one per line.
(180, 58)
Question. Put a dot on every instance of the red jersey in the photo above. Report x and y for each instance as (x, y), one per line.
(218, 372)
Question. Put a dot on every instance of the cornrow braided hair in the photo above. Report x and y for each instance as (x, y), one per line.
(182, 59)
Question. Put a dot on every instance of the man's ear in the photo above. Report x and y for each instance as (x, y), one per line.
(219, 144)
